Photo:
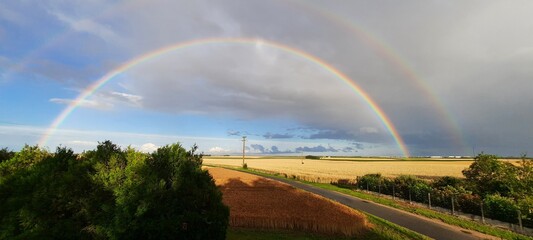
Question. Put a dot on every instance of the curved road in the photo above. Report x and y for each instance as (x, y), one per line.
(422, 225)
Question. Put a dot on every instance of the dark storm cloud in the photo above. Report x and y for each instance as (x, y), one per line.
(233, 133)
(258, 148)
(316, 149)
(277, 135)
(349, 149)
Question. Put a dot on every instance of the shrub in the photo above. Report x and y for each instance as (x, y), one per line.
(501, 208)
(446, 181)
(245, 165)
(469, 203)
(526, 207)
(372, 182)
(412, 186)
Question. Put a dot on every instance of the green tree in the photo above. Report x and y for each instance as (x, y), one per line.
(109, 193)
(168, 195)
(6, 154)
(26, 157)
(487, 175)
(51, 200)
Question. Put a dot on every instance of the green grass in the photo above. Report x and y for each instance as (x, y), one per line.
(382, 229)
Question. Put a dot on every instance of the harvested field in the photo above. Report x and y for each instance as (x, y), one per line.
(261, 203)
(326, 171)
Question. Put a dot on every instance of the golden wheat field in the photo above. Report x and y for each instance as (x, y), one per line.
(260, 203)
(326, 170)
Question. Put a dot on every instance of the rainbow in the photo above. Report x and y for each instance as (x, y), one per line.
(386, 52)
(199, 42)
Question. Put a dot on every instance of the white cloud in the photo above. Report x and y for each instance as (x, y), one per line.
(218, 150)
(100, 105)
(132, 99)
(83, 144)
(148, 148)
(88, 26)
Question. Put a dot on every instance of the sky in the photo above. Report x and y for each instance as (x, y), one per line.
(350, 78)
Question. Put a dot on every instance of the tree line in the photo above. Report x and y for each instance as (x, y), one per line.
(108, 193)
(502, 189)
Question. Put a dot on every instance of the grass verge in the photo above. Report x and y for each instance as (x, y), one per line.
(446, 218)
(382, 229)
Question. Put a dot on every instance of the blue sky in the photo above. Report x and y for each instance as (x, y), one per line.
(474, 58)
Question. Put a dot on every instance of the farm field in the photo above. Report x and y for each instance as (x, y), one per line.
(328, 170)
(259, 203)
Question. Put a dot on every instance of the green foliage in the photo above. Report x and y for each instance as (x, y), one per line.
(25, 158)
(312, 157)
(526, 207)
(411, 187)
(53, 199)
(370, 181)
(6, 154)
(501, 208)
(446, 181)
(510, 188)
(524, 183)
(110, 193)
(245, 166)
(487, 175)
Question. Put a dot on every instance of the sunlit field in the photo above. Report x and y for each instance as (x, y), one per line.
(259, 203)
(328, 170)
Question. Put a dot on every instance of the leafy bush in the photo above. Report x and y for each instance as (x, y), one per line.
(411, 187)
(469, 203)
(447, 181)
(526, 207)
(372, 182)
(501, 208)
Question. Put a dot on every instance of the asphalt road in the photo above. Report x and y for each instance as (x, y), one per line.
(411, 221)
